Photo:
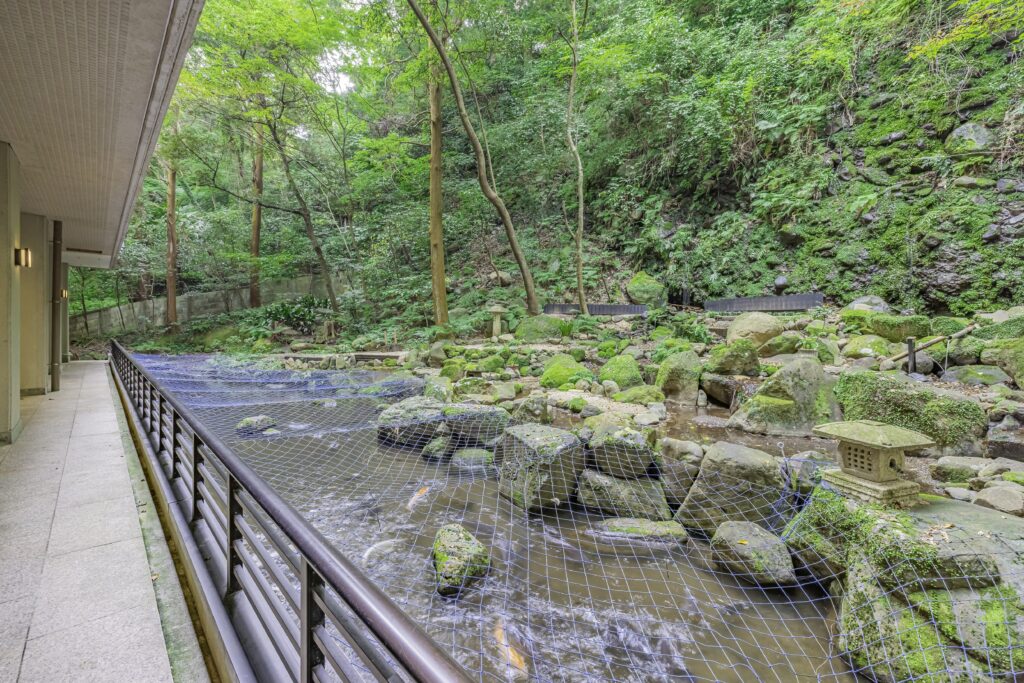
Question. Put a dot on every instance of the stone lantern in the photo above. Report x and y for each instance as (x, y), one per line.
(871, 456)
(496, 311)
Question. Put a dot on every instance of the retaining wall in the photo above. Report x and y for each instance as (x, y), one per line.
(139, 314)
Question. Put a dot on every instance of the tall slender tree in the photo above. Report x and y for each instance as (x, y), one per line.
(255, 297)
(532, 303)
(171, 163)
(437, 271)
(572, 139)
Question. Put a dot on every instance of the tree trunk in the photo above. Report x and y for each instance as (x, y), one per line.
(437, 270)
(81, 296)
(532, 305)
(307, 219)
(573, 147)
(171, 313)
(255, 298)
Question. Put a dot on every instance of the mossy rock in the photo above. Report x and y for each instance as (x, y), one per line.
(254, 425)
(738, 358)
(494, 363)
(679, 377)
(787, 342)
(856, 320)
(454, 368)
(1012, 328)
(827, 350)
(459, 559)
(790, 402)
(747, 551)
(819, 328)
(896, 328)
(661, 332)
(642, 498)
(944, 326)
(667, 347)
(539, 328)
(755, 327)
(563, 369)
(644, 289)
(623, 370)
(634, 528)
(607, 348)
(953, 423)
(439, 388)
(1008, 354)
(643, 394)
(866, 346)
(538, 465)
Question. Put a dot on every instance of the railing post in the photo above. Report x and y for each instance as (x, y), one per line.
(197, 458)
(233, 535)
(911, 355)
(311, 618)
(175, 433)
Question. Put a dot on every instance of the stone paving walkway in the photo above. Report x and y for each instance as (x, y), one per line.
(78, 590)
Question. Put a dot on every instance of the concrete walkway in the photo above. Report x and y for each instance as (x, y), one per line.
(87, 592)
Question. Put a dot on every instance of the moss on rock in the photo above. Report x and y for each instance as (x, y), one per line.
(623, 370)
(738, 358)
(459, 558)
(952, 422)
(644, 289)
(563, 369)
(643, 394)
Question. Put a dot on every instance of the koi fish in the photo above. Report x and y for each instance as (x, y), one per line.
(416, 498)
(514, 662)
(381, 545)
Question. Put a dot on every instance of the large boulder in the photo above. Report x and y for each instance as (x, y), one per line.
(623, 370)
(538, 465)
(868, 303)
(411, 422)
(459, 558)
(790, 402)
(953, 468)
(866, 346)
(563, 369)
(896, 328)
(954, 422)
(1007, 354)
(539, 328)
(757, 328)
(747, 551)
(439, 388)
(644, 289)
(474, 423)
(787, 342)
(888, 640)
(969, 137)
(738, 358)
(728, 390)
(678, 466)
(622, 452)
(735, 483)
(642, 498)
(976, 375)
(533, 408)
(679, 377)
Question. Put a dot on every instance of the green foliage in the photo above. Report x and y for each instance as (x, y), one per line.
(302, 315)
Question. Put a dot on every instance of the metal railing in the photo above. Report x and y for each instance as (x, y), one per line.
(275, 599)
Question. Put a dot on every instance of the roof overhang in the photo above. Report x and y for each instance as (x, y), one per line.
(84, 87)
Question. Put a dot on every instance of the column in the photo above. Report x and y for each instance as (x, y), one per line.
(10, 296)
(65, 326)
(35, 306)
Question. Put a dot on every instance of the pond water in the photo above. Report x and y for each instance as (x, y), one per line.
(559, 603)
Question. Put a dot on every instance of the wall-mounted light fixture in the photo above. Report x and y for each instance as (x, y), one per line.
(23, 258)
(64, 295)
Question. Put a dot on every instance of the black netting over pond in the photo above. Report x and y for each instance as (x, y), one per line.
(591, 556)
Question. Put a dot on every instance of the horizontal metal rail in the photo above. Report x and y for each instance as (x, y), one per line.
(284, 603)
(597, 309)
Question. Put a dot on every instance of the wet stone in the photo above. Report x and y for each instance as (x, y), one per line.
(472, 458)
(641, 529)
(957, 468)
(644, 498)
(459, 559)
(753, 554)
(1006, 499)
(538, 465)
(622, 452)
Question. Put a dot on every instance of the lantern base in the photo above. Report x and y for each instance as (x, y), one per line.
(898, 493)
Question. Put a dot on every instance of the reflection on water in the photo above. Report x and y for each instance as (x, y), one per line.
(558, 603)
